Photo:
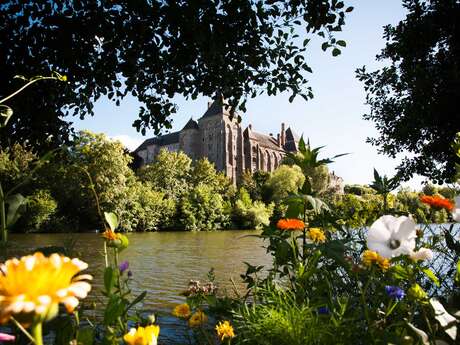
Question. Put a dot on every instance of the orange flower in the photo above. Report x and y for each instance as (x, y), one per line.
(290, 224)
(437, 201)
(110, 235)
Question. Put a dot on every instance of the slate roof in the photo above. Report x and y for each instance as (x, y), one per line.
(167, 139)
(292, 141)
(265, 140)
(291, 135)
(191, 124)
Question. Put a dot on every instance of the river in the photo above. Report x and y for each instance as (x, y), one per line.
(162, 263)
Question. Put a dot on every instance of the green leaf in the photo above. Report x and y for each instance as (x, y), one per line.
(138, 299)
(336, 52)
(294, 209)
(109, 279)
(85, 336)
(302, 146)
(401, 273)
(16, 204)
(115, 308)
(430, 274)
(324, 46)
(111, 219)
(342, 43)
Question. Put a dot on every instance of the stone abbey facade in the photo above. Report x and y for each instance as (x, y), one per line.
(224, 142)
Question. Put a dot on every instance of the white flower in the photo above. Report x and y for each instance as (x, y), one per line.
(392, 236)
(422, 254)
(456, 210)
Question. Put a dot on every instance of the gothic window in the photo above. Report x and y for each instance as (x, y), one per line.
(269, 161)
(230, 149)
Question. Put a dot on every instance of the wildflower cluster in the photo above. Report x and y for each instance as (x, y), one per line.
(195, 288)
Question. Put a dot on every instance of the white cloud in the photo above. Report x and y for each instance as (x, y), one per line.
(129, 142)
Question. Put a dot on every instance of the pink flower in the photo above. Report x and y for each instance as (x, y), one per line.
(7, 337)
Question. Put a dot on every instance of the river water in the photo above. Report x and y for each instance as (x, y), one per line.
(162, 263)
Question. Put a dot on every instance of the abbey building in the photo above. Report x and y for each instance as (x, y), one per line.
(224, 142)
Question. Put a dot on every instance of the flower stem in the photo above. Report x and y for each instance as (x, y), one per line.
(22, 329)
(37, 333)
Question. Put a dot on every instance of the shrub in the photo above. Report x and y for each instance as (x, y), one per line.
(41, 207)
(249, 214)
(202, 209)
(146, 209)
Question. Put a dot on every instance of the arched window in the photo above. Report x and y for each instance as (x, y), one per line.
(269, 160)
(229, 145)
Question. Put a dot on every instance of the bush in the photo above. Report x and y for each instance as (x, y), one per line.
(40, 209)
(202, 209)
(249, 214)
(285, 180)
(146, 209)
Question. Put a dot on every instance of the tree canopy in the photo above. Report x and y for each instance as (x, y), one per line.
(154, 50)
(412, 99)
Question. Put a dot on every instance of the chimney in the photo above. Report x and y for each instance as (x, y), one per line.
(283, 135)
(278, 140)
(250, 127)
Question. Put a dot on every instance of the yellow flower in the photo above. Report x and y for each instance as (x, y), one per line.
(35, 285)
(369, 257)
(224, 330)
(316, 235)
(197, 319)
(383, 263)
(182, 311)
(142, 336)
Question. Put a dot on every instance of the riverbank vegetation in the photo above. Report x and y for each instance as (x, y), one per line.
(174, 192)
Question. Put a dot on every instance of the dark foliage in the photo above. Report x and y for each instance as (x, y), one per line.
(413, 100)
(153, 50)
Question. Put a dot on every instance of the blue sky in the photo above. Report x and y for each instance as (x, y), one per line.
(333, 118)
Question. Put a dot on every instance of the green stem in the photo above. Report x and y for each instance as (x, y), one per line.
(37, 333)
(22, 329)
(363, 300)
(106, 255)
(304, 233)
(390, 308)
(23, 87)
(3, 216)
